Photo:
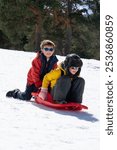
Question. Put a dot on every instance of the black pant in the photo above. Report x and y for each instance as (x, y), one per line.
(26, 95)
(68, 89)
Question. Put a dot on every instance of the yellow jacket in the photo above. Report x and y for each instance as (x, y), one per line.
(52, 77)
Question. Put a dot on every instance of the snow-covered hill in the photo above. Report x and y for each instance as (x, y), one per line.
(28, 126)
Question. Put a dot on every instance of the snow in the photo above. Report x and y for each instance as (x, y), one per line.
(28, 126)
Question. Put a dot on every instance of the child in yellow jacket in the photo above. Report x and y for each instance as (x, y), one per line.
(64, 82)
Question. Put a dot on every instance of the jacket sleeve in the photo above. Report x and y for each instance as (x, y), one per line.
(33, 76)
(35, 71)
(51, 78)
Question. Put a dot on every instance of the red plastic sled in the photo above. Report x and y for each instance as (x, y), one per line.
(49, 103)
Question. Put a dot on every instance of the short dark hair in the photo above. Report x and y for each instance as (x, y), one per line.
(46, 42)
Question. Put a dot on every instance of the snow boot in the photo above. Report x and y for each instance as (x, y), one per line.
(12, 93)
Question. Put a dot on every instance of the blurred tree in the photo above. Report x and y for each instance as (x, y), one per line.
(4, 41)
(72, 24)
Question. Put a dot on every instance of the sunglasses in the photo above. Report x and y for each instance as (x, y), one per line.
(75, 68)
(48, 49)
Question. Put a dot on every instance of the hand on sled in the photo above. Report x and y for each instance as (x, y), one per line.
(43, 93)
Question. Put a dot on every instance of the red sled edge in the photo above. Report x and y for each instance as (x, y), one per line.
(69, 106)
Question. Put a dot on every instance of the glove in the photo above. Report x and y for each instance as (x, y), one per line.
(43, 93)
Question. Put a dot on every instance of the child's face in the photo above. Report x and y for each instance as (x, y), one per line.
(73, 70)
(48, 50)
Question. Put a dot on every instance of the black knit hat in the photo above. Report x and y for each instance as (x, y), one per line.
(73, 60)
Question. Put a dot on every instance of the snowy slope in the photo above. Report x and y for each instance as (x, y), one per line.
(28, 126)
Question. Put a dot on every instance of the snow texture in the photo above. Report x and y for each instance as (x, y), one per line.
(29, 126)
